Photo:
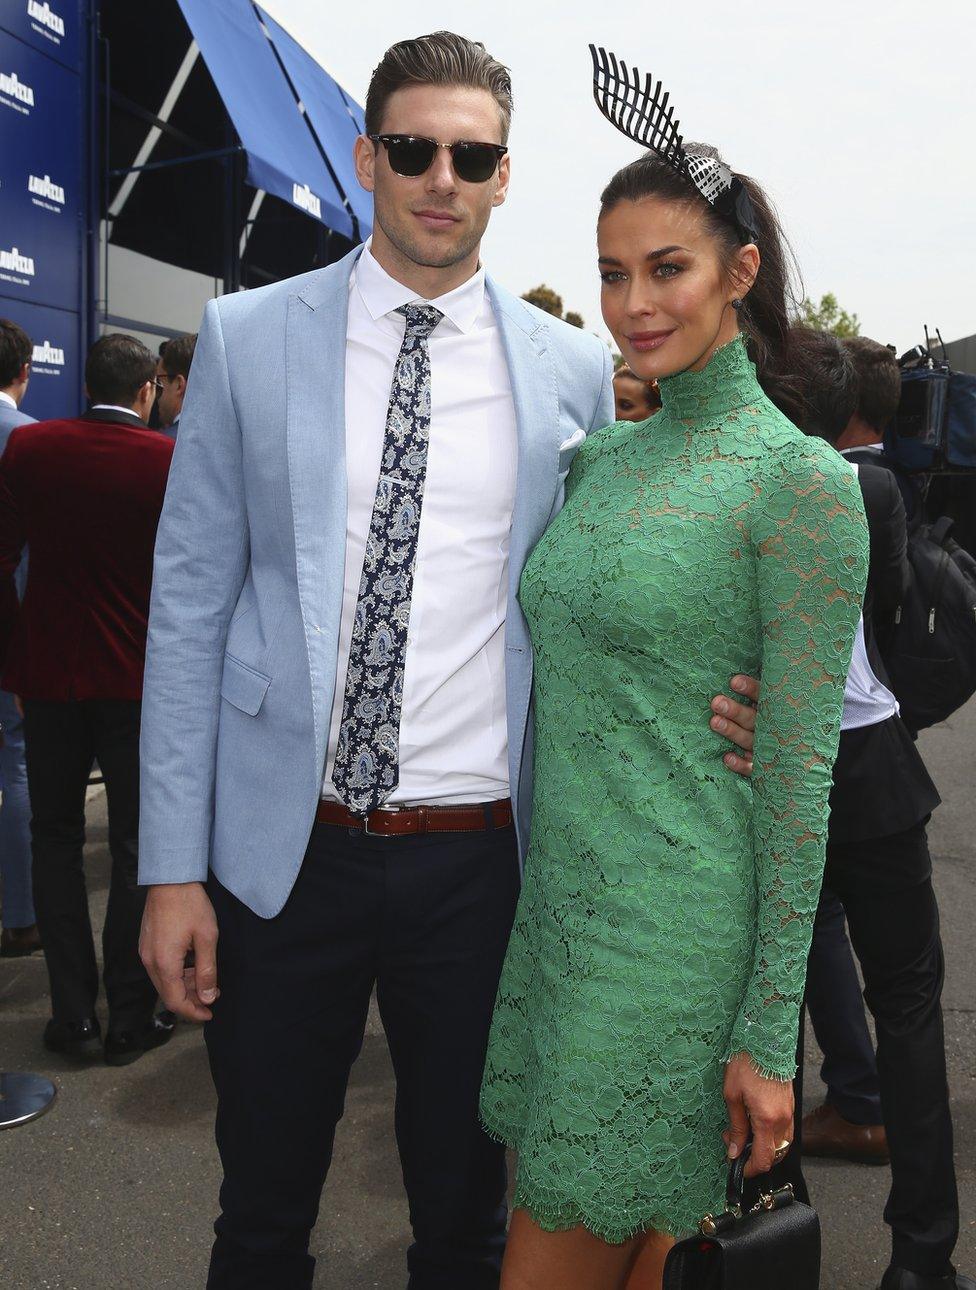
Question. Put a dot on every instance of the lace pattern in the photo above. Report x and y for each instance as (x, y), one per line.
(667, 908)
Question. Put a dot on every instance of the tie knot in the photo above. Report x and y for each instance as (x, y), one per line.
(421, 319)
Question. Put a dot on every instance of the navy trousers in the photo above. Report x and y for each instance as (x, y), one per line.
(63, 740)
(425, 920)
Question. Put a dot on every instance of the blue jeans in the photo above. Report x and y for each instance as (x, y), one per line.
(17, 907)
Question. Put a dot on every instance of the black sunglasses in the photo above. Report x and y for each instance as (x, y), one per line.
(412, 155)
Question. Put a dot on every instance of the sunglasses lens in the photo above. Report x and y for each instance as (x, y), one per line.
(410, 156)
(474, 162)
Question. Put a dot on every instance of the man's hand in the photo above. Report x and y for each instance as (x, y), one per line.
(179, 920)
(764, 1106)
(737, 722)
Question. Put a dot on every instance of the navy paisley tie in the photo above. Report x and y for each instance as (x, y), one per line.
(367, 762)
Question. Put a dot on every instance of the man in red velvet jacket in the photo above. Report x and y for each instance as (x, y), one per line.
(85, 496)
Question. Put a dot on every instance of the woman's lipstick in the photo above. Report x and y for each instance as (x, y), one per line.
(645, 341)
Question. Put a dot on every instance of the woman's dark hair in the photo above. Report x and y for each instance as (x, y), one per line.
(767, 309)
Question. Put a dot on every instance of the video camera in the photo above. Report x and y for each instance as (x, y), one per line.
(934, 429)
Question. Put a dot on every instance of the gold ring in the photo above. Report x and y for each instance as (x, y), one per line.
(781, 1150)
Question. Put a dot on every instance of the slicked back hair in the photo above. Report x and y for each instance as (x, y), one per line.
(442, 58)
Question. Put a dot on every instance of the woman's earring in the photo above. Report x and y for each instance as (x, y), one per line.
(736, 304)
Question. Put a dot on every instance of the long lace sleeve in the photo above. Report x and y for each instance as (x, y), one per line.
(811, 550)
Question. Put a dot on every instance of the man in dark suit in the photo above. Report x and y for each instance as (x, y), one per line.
(19, 936)
(85, 496)
(878, 864)
(172, 373)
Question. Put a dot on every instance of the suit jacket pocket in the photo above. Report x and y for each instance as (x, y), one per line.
(242, 686)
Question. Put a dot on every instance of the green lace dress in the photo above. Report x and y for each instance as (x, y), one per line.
(667, 907)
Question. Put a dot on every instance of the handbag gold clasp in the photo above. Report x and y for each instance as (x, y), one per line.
(714, 1224)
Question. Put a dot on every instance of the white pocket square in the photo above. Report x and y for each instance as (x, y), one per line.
(573, 441)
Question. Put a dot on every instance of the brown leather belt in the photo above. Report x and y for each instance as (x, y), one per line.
(400, 821)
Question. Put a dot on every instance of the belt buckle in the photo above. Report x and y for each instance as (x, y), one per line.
(393, 810)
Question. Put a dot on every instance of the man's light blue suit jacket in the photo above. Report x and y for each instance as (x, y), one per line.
(248, 577)
(10, 419)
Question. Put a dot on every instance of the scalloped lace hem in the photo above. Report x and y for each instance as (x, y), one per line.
(557, 1214)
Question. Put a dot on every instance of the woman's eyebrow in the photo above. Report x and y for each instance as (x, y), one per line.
(651, 255)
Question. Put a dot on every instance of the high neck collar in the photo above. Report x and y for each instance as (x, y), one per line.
(727, 381)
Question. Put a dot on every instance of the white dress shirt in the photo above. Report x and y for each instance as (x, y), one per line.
(867, 700)
(453, 725)
(8, 400)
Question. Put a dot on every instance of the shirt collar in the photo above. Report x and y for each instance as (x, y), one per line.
(114, 407)
(6, 399)
(382, 294)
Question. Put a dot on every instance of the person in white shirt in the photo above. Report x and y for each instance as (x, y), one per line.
(337, 732)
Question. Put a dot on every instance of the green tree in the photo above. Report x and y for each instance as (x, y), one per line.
(551, 302)
(828, 316)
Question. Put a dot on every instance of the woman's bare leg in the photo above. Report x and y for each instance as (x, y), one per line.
(648, 1269)
(571, 1260)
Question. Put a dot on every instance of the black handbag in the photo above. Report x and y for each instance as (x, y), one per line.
(773, 1246)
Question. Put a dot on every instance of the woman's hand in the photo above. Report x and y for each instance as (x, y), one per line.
(765, 1104)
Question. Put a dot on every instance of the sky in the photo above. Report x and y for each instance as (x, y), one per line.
(859, 119)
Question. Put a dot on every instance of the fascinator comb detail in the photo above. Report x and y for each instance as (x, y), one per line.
(643, 111)
(639, 111)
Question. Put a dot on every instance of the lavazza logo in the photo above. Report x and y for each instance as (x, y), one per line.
(13, 263)
(44, 15)
(14, 93)
(47, 356)
(305, 200)
(44, 192)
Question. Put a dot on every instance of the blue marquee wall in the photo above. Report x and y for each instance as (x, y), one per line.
(45, 191)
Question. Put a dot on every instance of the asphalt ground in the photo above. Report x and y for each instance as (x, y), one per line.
(116, 1186)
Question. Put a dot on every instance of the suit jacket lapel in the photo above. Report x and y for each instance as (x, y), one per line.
(315, 414)
(535, 394)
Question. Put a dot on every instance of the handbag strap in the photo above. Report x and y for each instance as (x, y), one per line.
(735, 1187)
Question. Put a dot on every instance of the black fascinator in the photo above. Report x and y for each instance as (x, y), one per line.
(638, 108)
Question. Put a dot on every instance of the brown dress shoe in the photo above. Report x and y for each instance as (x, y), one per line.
(18, 942)
(826, 1133)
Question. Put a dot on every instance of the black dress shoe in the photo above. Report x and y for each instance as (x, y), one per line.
(19, 942)
(902, 1279)
(125, 1046)
(77, 1039)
